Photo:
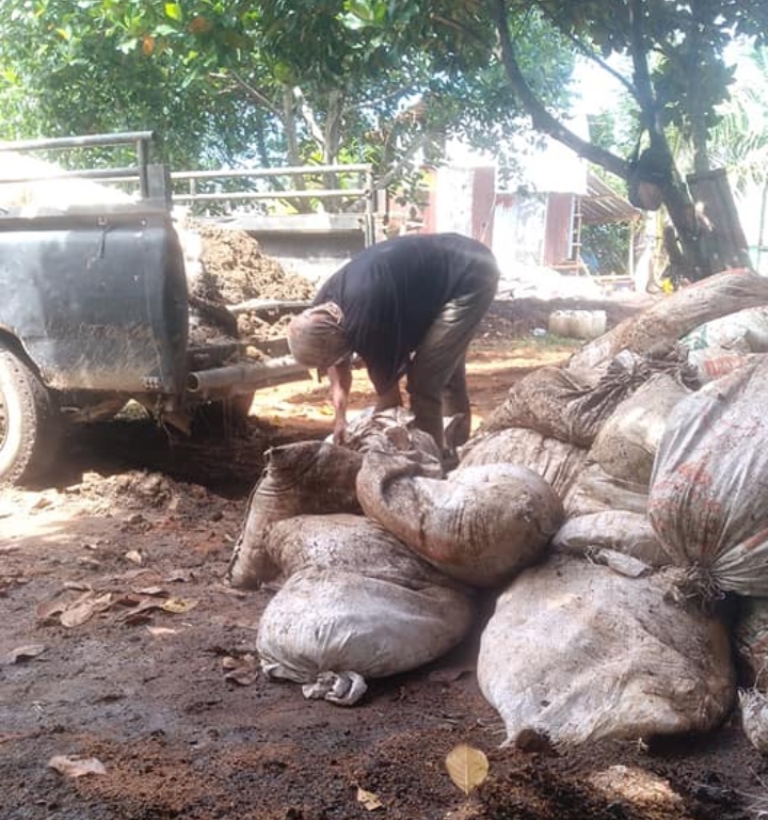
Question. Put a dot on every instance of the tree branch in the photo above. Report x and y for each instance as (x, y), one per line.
(258, 96)
(542, 120)
(644, 95)
(309, 117)
(589, 53)
(384, 181)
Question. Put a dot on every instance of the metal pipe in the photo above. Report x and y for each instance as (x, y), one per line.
(318, 194)
(101, 140)
(300, 170)
(129, 174)
(257, 374)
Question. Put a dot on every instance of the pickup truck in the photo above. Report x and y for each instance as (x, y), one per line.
(95, 312)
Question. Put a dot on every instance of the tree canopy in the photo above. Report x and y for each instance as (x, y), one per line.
(280, 81)
(299, 81)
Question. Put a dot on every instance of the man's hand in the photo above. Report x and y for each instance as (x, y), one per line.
(340, 376)
(339, 431)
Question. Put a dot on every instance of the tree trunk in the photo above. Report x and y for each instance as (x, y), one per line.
(708, 236)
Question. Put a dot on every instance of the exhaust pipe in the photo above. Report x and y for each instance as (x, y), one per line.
(254, 375)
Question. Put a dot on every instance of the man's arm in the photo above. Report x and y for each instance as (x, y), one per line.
(340, 377)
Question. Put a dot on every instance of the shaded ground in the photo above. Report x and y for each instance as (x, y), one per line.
(120, 642)
(155, 674)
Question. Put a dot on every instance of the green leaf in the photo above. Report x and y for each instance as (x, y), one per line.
(172, 10)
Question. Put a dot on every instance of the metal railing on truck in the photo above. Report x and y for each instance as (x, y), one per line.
(151, 182)
(355, 204)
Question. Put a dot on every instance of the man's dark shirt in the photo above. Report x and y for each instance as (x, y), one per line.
(392, 292)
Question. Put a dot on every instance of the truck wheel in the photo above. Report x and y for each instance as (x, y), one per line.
(29, 422)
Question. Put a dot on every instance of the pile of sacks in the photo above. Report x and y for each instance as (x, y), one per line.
(614, 507)
(653, 599)
(379, 554)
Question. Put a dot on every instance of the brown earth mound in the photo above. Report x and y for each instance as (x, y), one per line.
(235, 270)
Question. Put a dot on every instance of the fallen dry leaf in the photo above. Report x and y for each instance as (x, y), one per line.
(369, 800)
(22, 653)
(178, 606)
(467, 767)
(134, 556)
(84, 608)
(153, 591)
(78, 586)
(180, 575)
(243, 671)
(75, 766)
(50, 609)
(160, 631)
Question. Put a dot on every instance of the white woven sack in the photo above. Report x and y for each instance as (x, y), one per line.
(332, 629)
(557, 462)
(627, 442)
(575, 652)
(308, 477)
(479, 525)
(708, 489)
(619, 530)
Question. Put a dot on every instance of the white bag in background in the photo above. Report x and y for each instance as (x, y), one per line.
(576, 652)
(744, 331)
(670, 319)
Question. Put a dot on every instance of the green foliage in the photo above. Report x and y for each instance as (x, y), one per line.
(381, 81)
(272, 82)
(608, 245)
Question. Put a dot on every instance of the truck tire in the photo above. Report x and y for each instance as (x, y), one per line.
(30, 425)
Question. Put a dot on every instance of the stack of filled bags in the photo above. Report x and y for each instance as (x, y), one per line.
(663, 487)
(378, 553)
(612, 504)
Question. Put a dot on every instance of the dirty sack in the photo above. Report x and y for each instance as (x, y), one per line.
(722, 345)
(552, 401)
(347, 542)
(358, 604)
(479, 525)
(621, 531)
(307, 477)
(391, 430)
(575, 652)
(670, 319)
(744, 331)
(627, 442)
(754, 718)
(596, 491)
(708, 488)
(557, 462)
(713, 362)
(751, 637)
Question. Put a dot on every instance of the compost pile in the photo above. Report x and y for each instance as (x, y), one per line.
(613, 506)
(226, 268)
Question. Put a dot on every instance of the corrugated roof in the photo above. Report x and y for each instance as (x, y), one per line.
(602, 204)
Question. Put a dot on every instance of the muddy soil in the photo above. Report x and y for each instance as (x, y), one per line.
(129, 683)
(120, 642)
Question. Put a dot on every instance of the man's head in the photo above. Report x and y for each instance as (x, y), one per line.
(316, 337)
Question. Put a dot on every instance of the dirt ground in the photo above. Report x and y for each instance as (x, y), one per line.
(124, 653)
